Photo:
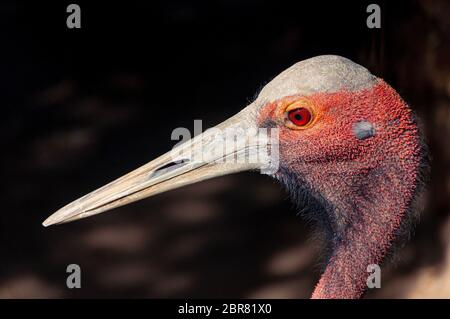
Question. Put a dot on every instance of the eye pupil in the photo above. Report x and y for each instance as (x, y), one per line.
(300, 116)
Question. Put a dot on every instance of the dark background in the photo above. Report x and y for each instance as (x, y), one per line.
(83, 106)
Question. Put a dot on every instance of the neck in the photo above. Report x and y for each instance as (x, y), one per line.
(361, 245)
(364, 227)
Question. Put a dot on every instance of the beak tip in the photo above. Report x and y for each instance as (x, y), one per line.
(48, 222)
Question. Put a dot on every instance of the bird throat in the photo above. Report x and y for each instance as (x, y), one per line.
(361, 228)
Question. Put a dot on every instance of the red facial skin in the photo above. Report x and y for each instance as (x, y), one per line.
(367, 185)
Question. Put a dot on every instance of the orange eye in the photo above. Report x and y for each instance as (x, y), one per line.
(300, 116)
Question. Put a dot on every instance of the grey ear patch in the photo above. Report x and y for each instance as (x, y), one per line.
(363, 130)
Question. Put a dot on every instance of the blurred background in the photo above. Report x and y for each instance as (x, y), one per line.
(83, 106)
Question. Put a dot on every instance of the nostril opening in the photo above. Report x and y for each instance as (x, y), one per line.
(174, 163)
(168, 167)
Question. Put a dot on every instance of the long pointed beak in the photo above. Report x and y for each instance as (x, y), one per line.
(233, 146)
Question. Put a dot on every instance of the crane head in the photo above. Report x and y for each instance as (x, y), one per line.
(333, 119)
(340, 139)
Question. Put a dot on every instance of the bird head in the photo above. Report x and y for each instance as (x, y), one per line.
(347, 140)
(341, 140)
